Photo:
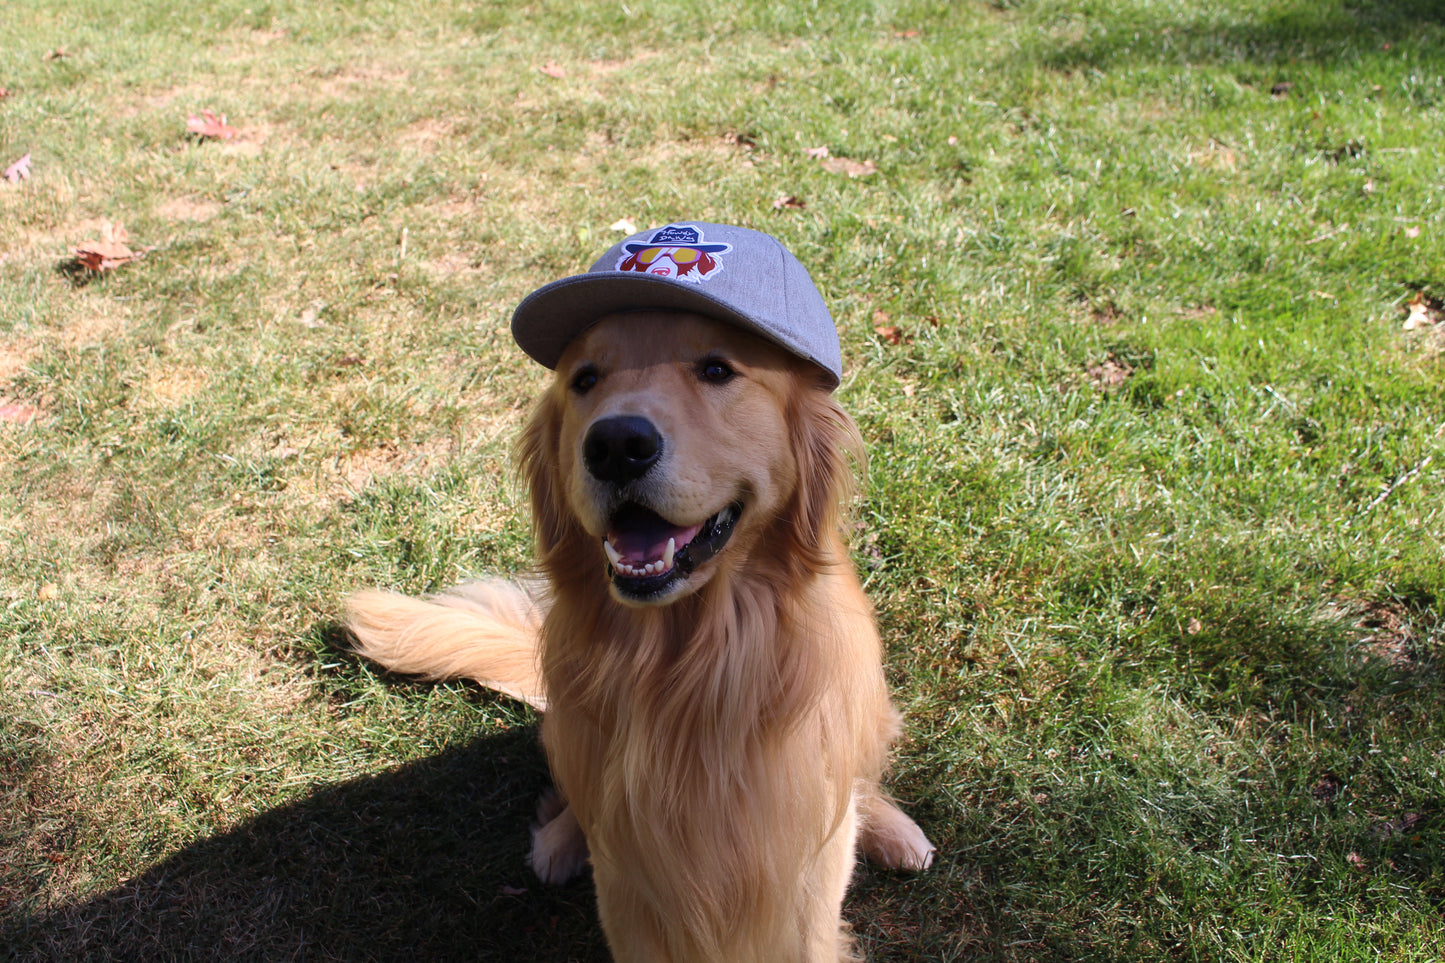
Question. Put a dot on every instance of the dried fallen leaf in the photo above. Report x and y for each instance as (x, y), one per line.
(47, 592)
(906, 34)
(1327, 788)
(1398, 827)
(1105, 311)
(1195, 627)
(624, 225)
(552, 69)
(846, 165)
(59, 53)
(1412, 232)
(1110, 373)
(818, 153)
(890, 333)
(789, 201)
(1423, 311)
(110, 252)
(513, 890)
(4, 93)
(18, 171)
(209, 124)
(18, 414)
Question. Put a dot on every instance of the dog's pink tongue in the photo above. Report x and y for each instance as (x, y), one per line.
(640, 536)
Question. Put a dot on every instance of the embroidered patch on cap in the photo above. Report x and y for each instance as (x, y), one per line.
(677, 251)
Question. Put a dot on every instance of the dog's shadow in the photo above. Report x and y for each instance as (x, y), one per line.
(422, 862)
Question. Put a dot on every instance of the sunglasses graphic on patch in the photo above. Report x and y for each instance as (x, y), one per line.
(680, 255)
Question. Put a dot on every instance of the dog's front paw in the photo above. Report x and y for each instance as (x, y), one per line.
(559, 850)
(891, 839)
(912, 853)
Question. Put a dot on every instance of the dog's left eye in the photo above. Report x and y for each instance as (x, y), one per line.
(715, 370)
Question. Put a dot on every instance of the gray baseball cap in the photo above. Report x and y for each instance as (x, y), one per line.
(732, 274)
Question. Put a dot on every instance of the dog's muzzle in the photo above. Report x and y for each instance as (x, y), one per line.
(647, 555)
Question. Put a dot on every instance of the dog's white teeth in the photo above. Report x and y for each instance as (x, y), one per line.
(630, 570)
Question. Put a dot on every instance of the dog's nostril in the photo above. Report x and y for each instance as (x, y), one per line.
(621, 448)
(640, 447)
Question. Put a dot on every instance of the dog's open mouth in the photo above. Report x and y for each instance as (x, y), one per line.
(647, 554)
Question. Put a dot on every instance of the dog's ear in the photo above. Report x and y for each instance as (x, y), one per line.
(831, 457)
(536, 458)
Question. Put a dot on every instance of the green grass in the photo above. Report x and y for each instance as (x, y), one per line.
(1155, 506)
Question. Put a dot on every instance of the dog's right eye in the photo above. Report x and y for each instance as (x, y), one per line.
(584, 380)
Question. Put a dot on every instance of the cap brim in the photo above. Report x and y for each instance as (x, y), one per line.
(551, 317)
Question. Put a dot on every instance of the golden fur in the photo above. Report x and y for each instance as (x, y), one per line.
(717, 748)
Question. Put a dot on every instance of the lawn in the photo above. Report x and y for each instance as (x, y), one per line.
(1142, 307)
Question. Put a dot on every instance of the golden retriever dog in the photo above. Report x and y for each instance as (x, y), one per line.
(714, 710)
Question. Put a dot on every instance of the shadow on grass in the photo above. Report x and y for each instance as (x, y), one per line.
(1308, 32)
(75, 272)
(421, 863)
(424, 862)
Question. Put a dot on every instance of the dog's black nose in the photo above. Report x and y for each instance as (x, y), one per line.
(621, 448)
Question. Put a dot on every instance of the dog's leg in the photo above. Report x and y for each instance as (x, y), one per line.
(559, 849)
(889, 837)
(635, 932)
(804, 927)
(831, 939)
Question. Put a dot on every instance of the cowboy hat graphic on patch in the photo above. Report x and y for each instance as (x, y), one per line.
(676, 251)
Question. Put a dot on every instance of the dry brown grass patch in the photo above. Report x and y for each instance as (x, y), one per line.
(1215, 156)
(354, 81)
(95, 322)
(187, 209)
(454, 264)
(428, 134)
(16, 352)
(168, 385)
